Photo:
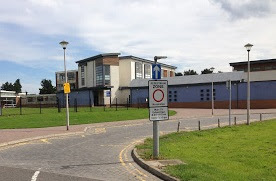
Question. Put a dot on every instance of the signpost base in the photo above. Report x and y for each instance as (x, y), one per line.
(155, 139)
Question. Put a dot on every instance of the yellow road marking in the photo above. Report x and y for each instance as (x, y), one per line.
(12, 146)
(45, 141)
(100, 130)
(123, 153)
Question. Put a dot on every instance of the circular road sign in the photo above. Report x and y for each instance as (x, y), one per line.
(158, 95)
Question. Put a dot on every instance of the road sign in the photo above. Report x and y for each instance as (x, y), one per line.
(159, 113)
(66, 87)
(158, 93)
(156, 71)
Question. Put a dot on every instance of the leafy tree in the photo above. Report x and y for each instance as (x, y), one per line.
(190, 72)
(7, 86)
(207, 71)
(178, 74)
(17, 86)
(47, 87)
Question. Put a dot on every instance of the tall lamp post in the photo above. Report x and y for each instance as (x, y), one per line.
(64, 44)
(155, 124)
(248, 48)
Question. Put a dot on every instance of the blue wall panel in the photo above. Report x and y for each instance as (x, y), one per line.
(82, 97)
(192, 93)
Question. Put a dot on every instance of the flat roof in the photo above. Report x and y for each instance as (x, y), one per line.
(98, 56)
(254, 62)
(145, 60)
(194, 79)
(67, 71)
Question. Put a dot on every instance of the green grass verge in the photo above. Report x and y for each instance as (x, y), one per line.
(230, 153)
(31, 117)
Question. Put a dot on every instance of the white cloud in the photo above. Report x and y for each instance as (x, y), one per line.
(194, 34)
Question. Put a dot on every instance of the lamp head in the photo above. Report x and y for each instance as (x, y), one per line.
(248, 46)
(64, 44)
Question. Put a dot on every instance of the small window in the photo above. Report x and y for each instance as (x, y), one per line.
(214, 90)
(170, 100)
(201, 90)
(201, 99)
(214, 98)
(208, 94)
(207, 90)
(175, 92)
(207, 99)
(175, 100)
(170, 95)
(170, 92)
(175, 95)
(201, 95)
(214, 94)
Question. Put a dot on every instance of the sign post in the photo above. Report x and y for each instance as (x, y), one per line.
(228, 86)
(158, 105)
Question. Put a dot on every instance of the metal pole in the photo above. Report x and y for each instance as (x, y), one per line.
(212, 98)
(40, 106)
(230, 99)
(155, 139)
(67, 101)
(20, 104)
(116, 104)
(248, 91)
(218, 123)
(199, 126)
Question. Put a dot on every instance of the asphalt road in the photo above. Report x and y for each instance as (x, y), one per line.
(101, 153)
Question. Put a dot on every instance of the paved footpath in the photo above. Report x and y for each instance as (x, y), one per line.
(100, 151)
(9, 135)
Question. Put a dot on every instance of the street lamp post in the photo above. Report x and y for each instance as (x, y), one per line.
(156, 125)
(248, 48)
(64, 44)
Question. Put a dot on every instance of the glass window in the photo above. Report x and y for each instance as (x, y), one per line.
(201, 90)
(147, 70)
(30, 99)
(207, 90)
(82, 76)
(99, 75)
(106, 74)
(138, 70)
(62, 76)
(71, 76)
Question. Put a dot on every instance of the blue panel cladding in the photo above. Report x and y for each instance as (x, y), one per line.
(139, 94)
(192, 93)
(258, 90)
(83, 98)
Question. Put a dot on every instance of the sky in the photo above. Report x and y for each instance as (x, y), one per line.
(193, 34)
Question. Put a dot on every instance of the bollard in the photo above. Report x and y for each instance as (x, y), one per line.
(178, 126)
(235, 120)
(218, 123)
(199, 125)
(261, 116)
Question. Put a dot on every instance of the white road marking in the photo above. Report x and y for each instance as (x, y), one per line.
(34, 177)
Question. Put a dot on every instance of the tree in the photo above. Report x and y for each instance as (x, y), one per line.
(190, 72)
(178, 74)
(7, 86)
(47, 87)
(207, 71)
(17, 86)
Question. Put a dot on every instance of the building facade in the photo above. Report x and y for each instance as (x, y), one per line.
(72, 76)
(105, 78)
(195, 91)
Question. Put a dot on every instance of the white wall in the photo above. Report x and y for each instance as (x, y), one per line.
(125, 72)
(261, 75)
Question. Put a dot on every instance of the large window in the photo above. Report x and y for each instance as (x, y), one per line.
(82, 76)
(138, 70)
(99, 75)
(71, 76)
(62, 77)
(147, 71)
(106, 74)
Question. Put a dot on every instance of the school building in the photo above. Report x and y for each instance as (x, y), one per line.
(195, 91)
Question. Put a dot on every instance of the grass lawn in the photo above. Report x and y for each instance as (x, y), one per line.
(31, 117)
(230, 153)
